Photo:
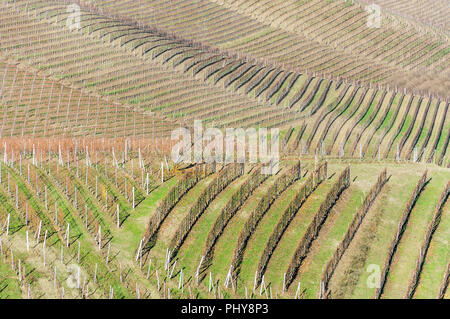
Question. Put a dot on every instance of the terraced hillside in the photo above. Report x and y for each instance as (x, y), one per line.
(325, 37)
(92, 204)
(218, 87)
(248, 234)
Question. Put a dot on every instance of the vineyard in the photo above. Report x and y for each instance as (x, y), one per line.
(94, 205)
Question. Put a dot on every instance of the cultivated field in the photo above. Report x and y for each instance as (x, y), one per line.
(93, 205)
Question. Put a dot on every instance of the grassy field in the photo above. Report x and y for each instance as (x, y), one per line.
(91, 108)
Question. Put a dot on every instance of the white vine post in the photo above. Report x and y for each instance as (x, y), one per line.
(322, 290)
(46, 206)
(118, 223)
(198, 269)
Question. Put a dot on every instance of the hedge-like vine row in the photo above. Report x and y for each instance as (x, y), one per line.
(189, 180)
(276, 87)
(346, 118)
(247, 77)
(337, 113)
(253, 83)
(280, 185)
(267, 82)
(445, 283)
(218, 184)
(230, 209)
(227, 70)
(426, 244)
(286, 137)
(444, 148)
(390, 125)
(399, 128)
(298, 137)
(314, 179)
(330, 108)
(297, 96)
(283, 93)
(310, 96)
(438, 136)
(430, 131)
(419, 131)
(410, 127)
(359, 118)
(240, 72)
(369, 121)
(321, 99)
